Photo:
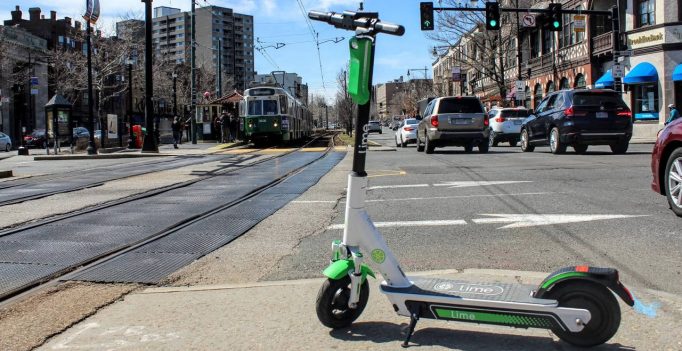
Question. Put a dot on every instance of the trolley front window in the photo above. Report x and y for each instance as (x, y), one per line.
(262, 107)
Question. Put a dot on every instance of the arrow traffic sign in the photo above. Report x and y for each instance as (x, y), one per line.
(528, 20)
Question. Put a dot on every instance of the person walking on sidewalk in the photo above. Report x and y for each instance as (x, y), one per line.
(176, 126)
(674, 114)
(225, 127)
(234, 125)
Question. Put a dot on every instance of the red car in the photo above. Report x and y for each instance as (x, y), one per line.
(666, 165)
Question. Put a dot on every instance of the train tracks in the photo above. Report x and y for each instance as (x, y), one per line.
(105, 243)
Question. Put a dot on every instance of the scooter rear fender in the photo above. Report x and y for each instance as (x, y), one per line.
(340, 268)
(607, 277)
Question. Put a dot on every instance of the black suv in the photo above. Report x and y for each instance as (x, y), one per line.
(579, 118)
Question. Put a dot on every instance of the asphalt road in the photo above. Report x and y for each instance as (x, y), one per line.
(513, 210)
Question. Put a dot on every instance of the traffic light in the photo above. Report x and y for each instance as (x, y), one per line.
(426, 15)
(555, 17)
(492, 16)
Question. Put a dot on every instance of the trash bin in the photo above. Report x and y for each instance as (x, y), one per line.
(138, 133)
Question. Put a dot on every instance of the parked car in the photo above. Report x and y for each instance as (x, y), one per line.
(406, 133)
(36, 139)
(666, 165)
(505, 124)
(454, 121)
(374, 127)
(579, 118)
(80, 133)
(5, 142)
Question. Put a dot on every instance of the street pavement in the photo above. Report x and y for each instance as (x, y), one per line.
(502, 216)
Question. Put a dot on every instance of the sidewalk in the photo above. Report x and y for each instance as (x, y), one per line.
(281, 316)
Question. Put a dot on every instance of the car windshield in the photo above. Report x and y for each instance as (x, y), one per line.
(514, 113)
(38, 133)
(459, 106)
(374, 123)
(611, 100)
(411, 121)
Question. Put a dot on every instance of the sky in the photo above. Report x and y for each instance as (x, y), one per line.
(282, 21)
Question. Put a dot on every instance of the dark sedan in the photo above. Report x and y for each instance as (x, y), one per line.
(36, 139)
(579, 118)
(666, 165)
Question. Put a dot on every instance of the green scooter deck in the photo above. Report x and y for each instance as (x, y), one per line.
(517, 293)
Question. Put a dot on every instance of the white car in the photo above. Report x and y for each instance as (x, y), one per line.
(406, 132)
(505, 124)
(5, 142)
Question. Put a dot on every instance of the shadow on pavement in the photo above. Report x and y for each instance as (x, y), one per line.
(383, 332)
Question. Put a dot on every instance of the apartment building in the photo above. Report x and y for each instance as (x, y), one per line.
(291, 82)
(219, 31)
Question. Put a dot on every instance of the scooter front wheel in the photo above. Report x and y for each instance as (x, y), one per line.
(332, 303)
(603, 307)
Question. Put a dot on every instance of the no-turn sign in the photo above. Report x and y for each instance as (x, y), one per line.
(528, 20)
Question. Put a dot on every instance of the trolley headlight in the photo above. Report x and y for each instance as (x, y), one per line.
(275, 124)
(250, 125)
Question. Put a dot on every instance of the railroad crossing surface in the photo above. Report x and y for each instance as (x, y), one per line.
(504, 216)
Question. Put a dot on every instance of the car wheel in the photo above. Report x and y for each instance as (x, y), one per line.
(491, 139)
(619, 148)
(484, 146)
(428, 145)
(555, 144)
(579, 148)
(673, 181)
(397, 143)
(525, 142)
(512, 143)
(7, 147)
(420, 146)
(402, 142)
(469, 147)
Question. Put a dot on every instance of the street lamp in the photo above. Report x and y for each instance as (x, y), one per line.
(425, 70)
(149, 144)
(175, 94)
(131, 141)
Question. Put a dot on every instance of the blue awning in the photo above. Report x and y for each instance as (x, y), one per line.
(605, 81)
(677, 73)
(642, 73)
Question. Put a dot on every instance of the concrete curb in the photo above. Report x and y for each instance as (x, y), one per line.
(6, 174)
(99, 156)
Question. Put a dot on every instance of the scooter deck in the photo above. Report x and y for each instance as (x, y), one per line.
(503, 292)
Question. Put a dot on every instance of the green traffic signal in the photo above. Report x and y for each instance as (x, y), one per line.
(426, 14)
(492, 15)
(556, 24)
(493, 23)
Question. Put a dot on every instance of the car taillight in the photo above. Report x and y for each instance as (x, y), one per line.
(409, 129)
(500, 119)
(434, 121)
(627, 114)
(569, 112)
(486, 122)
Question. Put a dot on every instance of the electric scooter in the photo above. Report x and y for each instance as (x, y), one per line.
(577, 303)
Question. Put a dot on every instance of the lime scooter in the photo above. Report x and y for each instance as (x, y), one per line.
(576, 303)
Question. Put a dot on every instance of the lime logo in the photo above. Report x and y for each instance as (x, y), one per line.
(378, 256)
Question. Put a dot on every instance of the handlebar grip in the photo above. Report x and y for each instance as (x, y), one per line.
(390, 28)
(320, 16)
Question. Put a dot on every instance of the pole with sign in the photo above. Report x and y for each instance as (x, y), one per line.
(579, 23)
(520, 90)
(91, 15)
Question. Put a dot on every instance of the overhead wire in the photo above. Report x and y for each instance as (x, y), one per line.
(316, 38)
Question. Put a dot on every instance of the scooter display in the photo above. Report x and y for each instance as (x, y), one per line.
(577, 303)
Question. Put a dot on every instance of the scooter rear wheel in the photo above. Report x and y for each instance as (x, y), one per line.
(603, 307)
(332, 303)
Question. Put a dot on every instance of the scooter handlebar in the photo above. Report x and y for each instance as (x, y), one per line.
(350, 21)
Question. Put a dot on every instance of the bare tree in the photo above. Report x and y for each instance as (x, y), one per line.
(406, 100)
(345, 108)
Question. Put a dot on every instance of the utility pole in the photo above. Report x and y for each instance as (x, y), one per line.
(92, 148)
(175, 94)
(193, 89)
(131, 142)
(326, 116)
(149, 144)
(518, 53)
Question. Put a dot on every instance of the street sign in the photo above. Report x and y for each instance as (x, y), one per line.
(33, 80)
(456, 74)
(528, 20)
(617, 71)
(520, 90)
(34, 91)
(579, 23)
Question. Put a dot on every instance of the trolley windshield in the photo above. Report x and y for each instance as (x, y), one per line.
(262, 107)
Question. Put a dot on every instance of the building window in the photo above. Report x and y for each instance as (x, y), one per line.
(547, 41)
(580, 82)
(563, 83)
(550, 87)
(538, 95)
(527, 102)
(646, 100)
(645, 13)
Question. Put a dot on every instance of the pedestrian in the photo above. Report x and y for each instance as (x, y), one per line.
(216, 128)
(674, 114)
(234, 125)
(176, 126)
(188, 128)
(225, 127)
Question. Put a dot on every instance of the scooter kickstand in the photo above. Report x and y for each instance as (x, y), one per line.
(414, 317)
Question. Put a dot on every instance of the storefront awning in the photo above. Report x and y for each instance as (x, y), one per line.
(605, 81)
(642, 73)
(677, 73)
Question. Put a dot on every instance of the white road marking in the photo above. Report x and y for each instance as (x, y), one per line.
(398, 186)
(424, 198)
(466, 184)
(531, 220)
(408, 224)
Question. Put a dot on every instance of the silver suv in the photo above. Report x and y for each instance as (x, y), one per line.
(453, 121)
